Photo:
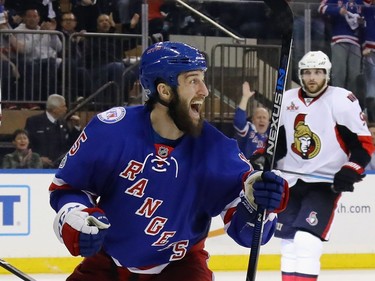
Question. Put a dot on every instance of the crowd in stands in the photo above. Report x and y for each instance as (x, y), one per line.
(45, 139)
(44, 46)
(22, 157)
(39, 52)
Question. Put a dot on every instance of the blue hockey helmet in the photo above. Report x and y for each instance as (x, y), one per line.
(165, 61)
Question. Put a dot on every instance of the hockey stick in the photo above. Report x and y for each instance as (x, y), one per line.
(282, 9)
(15, 271)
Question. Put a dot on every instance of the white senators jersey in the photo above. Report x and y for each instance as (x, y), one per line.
(321, 133)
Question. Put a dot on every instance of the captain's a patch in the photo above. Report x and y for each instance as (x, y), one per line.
(112, 115)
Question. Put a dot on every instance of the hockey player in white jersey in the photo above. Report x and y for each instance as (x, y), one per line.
(322, 132)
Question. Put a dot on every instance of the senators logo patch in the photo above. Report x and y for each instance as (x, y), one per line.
(312, 219)
(112, 115)
(306, 143)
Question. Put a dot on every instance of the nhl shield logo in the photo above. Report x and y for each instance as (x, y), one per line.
(163, 151)
(312, 219)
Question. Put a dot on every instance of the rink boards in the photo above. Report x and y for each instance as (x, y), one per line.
(27, 239)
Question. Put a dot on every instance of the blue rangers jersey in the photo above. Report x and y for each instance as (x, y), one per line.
(158, 199)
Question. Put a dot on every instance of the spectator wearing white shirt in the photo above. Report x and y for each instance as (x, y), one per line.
(39, 61)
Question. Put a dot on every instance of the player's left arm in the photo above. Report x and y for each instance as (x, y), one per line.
(356, 141)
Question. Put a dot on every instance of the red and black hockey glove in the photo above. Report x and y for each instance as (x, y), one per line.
(348, 175)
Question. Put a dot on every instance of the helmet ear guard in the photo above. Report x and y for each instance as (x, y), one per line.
(164, 61)
(314, 60)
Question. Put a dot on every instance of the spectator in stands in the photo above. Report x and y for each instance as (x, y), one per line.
(38, 62)
(50, 134)
(319, 39)
(130, 19)
(129, 15)
(110, 7)
(8, 69)
(48, 9)
(22, 157)
(68, 27)
(135, 94)
(14, 18)
(236, 16)
(368, 52)
(158, 25)
(105, 24)
(251, 134)
(346, 21)
(87, 11)
(104, 56)
(371, 165)
(78, 79)
(182, 21)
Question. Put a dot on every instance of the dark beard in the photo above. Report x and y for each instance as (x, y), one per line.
(180, 116)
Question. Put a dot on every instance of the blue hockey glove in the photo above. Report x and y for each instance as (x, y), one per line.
(344, 179)
(268, 190)
(83, 231)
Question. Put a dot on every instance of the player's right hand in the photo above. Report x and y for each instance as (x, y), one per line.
(83, 231)
(267, 190)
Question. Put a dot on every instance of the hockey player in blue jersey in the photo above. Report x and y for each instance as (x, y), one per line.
(136, 193)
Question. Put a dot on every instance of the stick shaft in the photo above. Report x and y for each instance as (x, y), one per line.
(280, 7)
(15, 271)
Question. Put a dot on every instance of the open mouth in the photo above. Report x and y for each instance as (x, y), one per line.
(195, 107)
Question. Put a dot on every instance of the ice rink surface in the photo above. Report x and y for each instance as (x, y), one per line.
(326, 275)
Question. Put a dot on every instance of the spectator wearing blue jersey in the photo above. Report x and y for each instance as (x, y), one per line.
(251, 134)
(136, 193)
(346, 21)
